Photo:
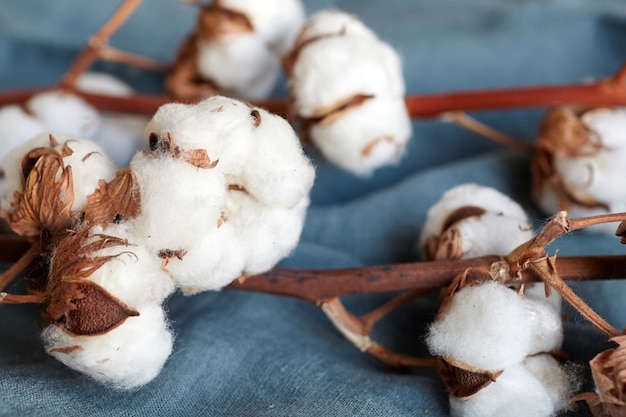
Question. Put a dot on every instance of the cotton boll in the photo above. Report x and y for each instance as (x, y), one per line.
(277, 171)
(134, 275)
(331, 23)
(240, 65)
(16, 127)
(127, 357)
(331, 70)
(470, 194)
(485, 327)
(212, 263)
(88, 160)
(516, 392)
(277, 22)
(267, 234)
(62, 112)
(180, 203)
(366, 137)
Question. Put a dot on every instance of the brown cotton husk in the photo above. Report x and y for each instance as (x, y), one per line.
(463, 381)
(608, 369)
(448, 244)
(196, 157)
(80, 306)
(562, 134)
(120, 198)
(45, 203)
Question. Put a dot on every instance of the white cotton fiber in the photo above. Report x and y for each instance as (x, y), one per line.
(267, 234)
(559, 382)
(366, 137)
(62, 112)
(333, 23)
(488, 327)
(16, 127)
(134, 276)
(332, 70)
(212, 263)
(121, 136)
(127, 357)
(276, 22)
(243, 214)
(180, 203)
(103, 83)
(240, 65)
(516, 392)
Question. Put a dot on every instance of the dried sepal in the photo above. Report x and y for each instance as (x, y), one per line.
(608, 369)
(463, 381)
(120, 198)
(46, 202)
(562, 134)
(196, 157)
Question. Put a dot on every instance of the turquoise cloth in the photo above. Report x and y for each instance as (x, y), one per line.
(247, 354)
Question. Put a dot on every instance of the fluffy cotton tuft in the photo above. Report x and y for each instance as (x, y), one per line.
(16, 127)
(126, 357)
(242, 214)
(348, 87)
(490, 327)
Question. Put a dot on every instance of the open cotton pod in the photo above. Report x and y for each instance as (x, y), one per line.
(489, 340)
(347, 89)
(472, 220)
(235, 49)
(103, 307)
(52, 165)
(578, 165)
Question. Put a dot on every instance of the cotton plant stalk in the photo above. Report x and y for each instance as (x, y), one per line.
(578, 166)
(493, 342)
(235, 49)
(347, 89)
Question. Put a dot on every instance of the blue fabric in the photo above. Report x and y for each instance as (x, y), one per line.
(246, 354)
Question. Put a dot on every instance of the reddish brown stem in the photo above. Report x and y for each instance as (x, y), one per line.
(370, 319)
(97, 42)
(19, 266)
(20, 299)
(611, 91)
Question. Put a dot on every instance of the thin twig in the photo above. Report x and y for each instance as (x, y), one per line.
(547, 270)
(462, 119)
(113, 54)
(370, 319)
(20, 265)
(20, 299)
(97, 42)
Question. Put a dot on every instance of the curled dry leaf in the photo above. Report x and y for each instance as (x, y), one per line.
(120, 198)
(48, 195)
(608, 369)
(562, 135)
(196, 157)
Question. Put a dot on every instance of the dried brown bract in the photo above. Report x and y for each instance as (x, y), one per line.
(609, 374)
(48, 196)
(562, 135)
(120, 198)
